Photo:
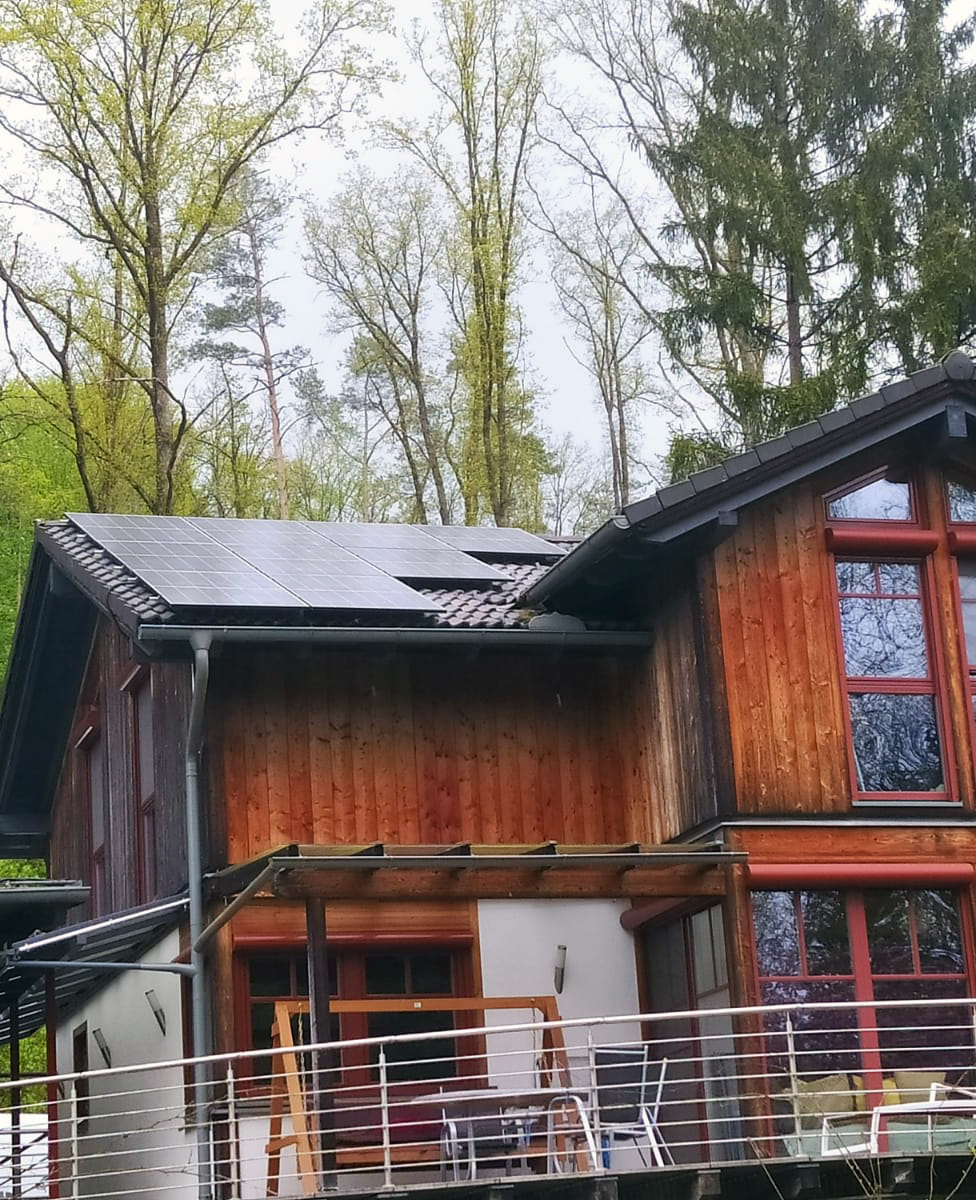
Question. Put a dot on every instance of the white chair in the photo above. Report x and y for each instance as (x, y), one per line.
(629, 1101)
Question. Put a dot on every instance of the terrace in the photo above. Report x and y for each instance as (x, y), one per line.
(843, 1098)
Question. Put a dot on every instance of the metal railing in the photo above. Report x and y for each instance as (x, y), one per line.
(635, 1092)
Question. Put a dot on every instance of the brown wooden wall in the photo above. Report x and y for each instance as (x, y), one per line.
(110, 665)
(769, 593)
(414, 748)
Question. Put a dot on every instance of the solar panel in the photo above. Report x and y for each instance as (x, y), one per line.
(434, 562)
(226, 563)
(494, 541)
(183, 564)
(323, 574)
(355, 535)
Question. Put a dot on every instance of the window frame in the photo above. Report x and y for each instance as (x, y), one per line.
(875, 525)
(138, 687)
(92, 738)
(933, 684)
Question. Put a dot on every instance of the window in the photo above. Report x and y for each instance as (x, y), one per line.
(144, 783)
(94, 752)
(877, 500)
(361, 974)
(891, 692)
(79, 1066)
(828, 946)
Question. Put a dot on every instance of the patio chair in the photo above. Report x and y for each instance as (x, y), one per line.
(628, 1097)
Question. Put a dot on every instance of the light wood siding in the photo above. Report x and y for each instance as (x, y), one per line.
(782, 678)
(415, 748)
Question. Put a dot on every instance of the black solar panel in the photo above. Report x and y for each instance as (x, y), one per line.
(432, 562)
(491, 540)
(210, 562)
(377, 535)
(183, 564)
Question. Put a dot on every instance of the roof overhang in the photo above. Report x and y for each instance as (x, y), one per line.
(79, 956)
(695, 513)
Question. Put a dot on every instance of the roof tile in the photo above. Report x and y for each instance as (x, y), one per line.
(773, 449)
(674, 493)
(740, 463)
(710, 477)
(836, 419)
(864, 405)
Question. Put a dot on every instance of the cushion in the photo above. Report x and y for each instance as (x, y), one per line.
(913, 1086)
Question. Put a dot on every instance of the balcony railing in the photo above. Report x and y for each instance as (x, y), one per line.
(640, 1092)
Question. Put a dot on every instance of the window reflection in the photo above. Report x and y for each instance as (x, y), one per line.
(962, 502)
(879, 500)
(896, 742)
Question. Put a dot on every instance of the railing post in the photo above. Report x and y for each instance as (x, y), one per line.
(75, 1154)
(385, 1123)
(794, 1083)
(601, 1155)
(233, 1161)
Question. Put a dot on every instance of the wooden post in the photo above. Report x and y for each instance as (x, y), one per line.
(324, 1075)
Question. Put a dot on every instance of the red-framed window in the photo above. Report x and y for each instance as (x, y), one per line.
(961, 518)
(267, 975)
(96, 786)
(832, 946)
(144, 784)
(893, 702)
(891, 667)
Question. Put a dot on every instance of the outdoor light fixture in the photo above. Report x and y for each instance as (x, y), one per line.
(559, 971)
(102, 1045)
(157, 1009)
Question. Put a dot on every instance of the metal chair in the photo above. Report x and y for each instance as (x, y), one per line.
(629, 1100)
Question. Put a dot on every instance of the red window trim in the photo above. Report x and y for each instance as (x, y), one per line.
(881, 542)
(933, 685)
(879, 524)
(806, 876)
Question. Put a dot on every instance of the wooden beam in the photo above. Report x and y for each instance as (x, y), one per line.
(484, 883)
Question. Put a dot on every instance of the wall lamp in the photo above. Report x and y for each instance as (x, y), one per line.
(559, 970)
(157, 1009)
(103, 1047)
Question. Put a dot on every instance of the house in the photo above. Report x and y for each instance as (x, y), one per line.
(720, 753)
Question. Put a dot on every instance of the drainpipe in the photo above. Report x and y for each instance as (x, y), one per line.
(200, 643)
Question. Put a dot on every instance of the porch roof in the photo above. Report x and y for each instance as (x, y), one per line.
(78, 951)
(469, 871)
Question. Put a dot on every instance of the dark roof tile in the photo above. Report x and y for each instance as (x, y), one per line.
(801, 434)
(708, 478)
(891, 393)
(836, 419)
(766, 451)
(929, 377)
(674, 493)
(740, 463)
(865, 405)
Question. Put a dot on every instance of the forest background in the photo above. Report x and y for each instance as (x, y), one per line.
(480, 261)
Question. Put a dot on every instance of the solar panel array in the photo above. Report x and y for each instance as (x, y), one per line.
(213, 562)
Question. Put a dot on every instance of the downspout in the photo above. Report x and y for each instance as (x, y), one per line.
(199, 1022)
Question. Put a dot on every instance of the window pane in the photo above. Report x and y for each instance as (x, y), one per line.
(923, 1037)
(825, 1040)
(877, 501)
(271, 976)
(856, 577)
(414, 1062)
(147, 782)
(386, 975)
(889, 934)
(967, 592)
(430, 975)
(962, 502)
(896, 743)
(825, 933)
(777, 938)
(718, 945)
(939, 939)
(96, 792)
(883, 638)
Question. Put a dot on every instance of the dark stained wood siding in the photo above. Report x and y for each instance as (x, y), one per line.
(416, 748)
(104, 693)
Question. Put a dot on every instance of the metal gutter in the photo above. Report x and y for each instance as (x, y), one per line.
(333, 635)
(75, 964)
(596, 547)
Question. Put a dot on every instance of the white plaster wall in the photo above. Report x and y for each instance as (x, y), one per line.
(135, 1142)
(518, 951)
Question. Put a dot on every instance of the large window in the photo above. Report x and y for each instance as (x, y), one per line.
(366, 975)
(831, 946)
(891, 688)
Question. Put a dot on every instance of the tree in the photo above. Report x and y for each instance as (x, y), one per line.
(247, 309)
(784, 136)
(142, 120)
(576, 490)
(376, 251)
(594, 250)
(487, 81)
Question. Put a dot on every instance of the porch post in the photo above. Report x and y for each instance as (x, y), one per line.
(324, 1072)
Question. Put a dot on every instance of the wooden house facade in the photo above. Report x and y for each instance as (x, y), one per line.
(745, 705)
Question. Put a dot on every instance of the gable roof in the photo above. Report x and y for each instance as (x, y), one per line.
(939, 402)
